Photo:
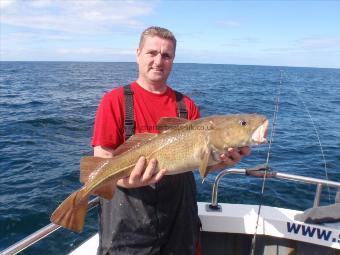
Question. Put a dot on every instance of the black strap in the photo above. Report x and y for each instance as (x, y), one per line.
(129, 121)
(181, 108)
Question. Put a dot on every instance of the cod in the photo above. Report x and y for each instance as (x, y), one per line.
(180, 146)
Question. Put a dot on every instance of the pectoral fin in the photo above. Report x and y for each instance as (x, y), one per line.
(204, 163)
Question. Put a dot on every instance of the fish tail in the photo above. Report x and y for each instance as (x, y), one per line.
(72, 211)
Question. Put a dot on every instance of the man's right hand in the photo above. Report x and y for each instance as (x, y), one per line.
(141, 175)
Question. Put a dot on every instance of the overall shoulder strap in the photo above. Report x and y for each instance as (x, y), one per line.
(129, 121)
(181, 108)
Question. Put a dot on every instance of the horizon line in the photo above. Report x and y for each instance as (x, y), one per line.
(191, 63)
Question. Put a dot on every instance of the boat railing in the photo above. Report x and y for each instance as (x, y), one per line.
(265, 171)
(259, 171)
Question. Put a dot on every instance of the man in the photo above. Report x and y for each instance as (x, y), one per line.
(150, 213)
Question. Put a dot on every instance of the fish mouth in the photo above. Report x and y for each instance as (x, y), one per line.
(260, 134)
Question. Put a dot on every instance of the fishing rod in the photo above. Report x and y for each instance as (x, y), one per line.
(266, 168)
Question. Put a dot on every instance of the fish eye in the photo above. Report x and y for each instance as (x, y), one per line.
(243, 123)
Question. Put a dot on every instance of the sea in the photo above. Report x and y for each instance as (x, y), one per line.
(47, 111)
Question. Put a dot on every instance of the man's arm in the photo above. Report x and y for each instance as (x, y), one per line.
(142, 175)
(102, 152)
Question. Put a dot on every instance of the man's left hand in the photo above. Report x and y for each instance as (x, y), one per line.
(231, 157)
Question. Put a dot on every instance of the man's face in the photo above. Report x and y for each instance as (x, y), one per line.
(155, 59)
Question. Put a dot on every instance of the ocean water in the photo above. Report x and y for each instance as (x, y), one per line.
(47, 111)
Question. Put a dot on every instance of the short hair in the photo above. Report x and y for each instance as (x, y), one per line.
(157, 31)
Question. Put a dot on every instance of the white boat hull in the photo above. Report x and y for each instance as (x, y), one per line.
(239, 219)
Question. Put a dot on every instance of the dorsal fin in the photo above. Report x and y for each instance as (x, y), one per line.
(134, 141)
(168, 123)
(88, 165)
(91, 165)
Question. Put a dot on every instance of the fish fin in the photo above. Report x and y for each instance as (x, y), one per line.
(106, 190)
(89, 165)
(203, 169)
(71, 212)
(168, 123)
(134, 141)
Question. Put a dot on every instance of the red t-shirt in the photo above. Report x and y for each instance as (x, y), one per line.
(148, 109)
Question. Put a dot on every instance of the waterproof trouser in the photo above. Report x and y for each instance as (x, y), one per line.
(151, 220)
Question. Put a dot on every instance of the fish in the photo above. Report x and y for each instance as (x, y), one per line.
(181, 146)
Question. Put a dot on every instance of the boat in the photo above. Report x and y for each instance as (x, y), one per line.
(237, 229)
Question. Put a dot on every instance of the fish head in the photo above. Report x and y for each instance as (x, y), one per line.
(232, 131)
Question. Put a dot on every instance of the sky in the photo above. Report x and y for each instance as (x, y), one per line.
(277, 33)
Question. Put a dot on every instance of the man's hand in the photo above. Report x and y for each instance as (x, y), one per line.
(232, 157)
(142, 174)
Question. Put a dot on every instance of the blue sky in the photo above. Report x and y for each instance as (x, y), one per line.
(287, 33)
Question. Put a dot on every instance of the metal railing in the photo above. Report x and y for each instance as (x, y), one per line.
(262, 171)
(38, 235)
